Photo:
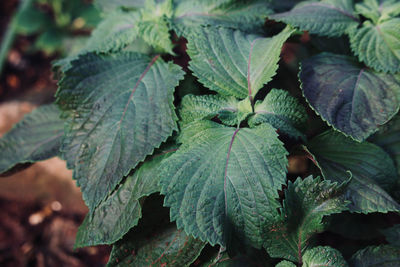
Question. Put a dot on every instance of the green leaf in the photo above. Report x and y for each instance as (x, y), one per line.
(165, 247)
(306, 203)
(378, 46)
(326, 17)
(224, 180)
(393, 235)
(36, 137)
(248, 16)
(116, 31)
(371, 169)
(107, 5)
(286, 264)
(119, 108)
(121, 211)
(233, 63)
(254, 258)
(388, 137)
(194, 107)
(30, 21)
(353, 99)
(282, 111)
(378, 11)
(383, 256)
(323, 256)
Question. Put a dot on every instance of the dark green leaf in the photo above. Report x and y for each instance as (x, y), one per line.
(382, 256)
(393, 235)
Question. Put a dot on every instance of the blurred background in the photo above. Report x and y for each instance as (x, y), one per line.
(40, 207)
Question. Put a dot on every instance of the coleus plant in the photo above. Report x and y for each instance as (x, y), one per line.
(213, 136)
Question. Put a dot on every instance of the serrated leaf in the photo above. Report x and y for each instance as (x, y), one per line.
(323, 256)
(166, 247)
(121, 211)
(353, 99)
(371, 169)
(326, 17)
(233, 63)
(306, 203)
(383, 256)
(36, 137)
(378, 46)
(248, 16)
(119, 108)
(282, 111)
(224, 179)
(378, 11)
(107, 5)
(286, 264)
(388, 137)
(117, 30)
(194, 107)
(392, 235)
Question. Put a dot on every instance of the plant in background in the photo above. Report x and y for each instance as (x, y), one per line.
(131, 123)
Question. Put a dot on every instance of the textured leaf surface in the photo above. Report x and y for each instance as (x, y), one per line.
(36, 137)
(383, 256)
(286, 264)
(393, 235)
(354, 100)
(195, 107)
(378, 10)
(119, 108)
(378, 45)
(327, 17)
(371, 169)
(121, 211)
(306, 203)
(246, 16)
(108, 5)
(323, 256)
(233, 63)
(224, 179)
(388, 137)
(166, 247)
(282, 111)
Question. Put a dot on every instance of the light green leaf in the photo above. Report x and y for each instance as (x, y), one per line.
(378, 46)
(248, 16)
(306, 203)
(323, 256)
(282, 111)
(392, 235)
(121, 211)
(119, 108)
(286, 264)
(383, 256)
(378, 11)
(194, 107)
(371, 169)
(107, 5)
(165, 247)
(353, 99)
(233, 63)
(326, 17)
(224, 180)
(36, 137)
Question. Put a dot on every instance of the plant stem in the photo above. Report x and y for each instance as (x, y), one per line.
(9, 35)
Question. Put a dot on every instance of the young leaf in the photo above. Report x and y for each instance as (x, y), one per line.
(224, 179)
(286, 264)
(306, 203)
(378, 45)
(121, 211)
(282, 111)
(393, 235)
(195, 107)
(119, 108)
(353, 99)
(371, 168)
(388, 137)
(36, 137)
(166, 247)
(246, 16)
(323, 256)
(233, 63)
(378, 11)
(383, 256)
(326, 17)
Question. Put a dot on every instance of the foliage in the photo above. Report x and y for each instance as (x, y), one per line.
(215, 137)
